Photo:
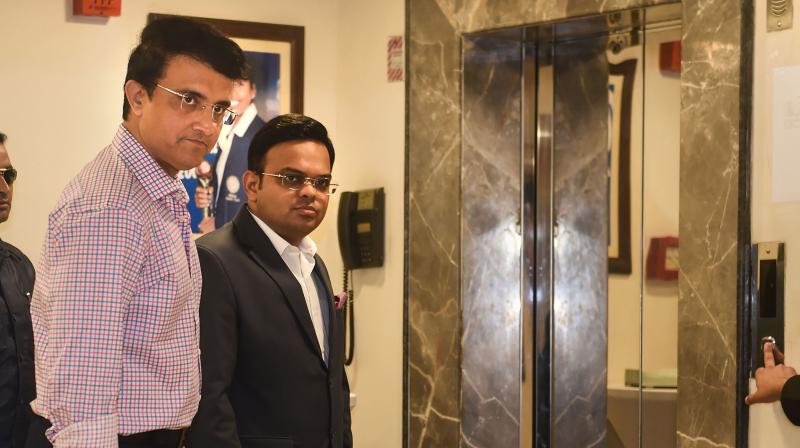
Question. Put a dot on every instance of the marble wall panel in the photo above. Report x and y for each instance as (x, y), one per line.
(434, 169)
(709, 195)
(491, 242)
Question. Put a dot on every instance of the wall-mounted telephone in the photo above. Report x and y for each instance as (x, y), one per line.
(361, 239)
(361, 228)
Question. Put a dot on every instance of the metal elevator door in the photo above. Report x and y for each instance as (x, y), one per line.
(553, 191)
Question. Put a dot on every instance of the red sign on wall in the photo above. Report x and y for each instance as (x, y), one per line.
(105, 8)
(394, 59)
(670, 57)
(662, 258)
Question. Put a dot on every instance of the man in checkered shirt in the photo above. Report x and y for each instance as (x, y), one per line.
(115, 308)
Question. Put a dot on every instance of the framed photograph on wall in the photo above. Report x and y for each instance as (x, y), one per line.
(275, 54)
(620, 95)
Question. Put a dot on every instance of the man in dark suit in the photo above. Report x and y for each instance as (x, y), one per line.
(17, 387)
(777, 381)
(270, 334)
(231, 162)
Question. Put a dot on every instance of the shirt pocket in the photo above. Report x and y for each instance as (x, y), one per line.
(153, 304)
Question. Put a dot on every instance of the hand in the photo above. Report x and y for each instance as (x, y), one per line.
(206, 225)
(770, 378)
(202, 197)
(776, 354)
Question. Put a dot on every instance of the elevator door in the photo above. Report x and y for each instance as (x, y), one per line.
(602, 106)
(570, 233)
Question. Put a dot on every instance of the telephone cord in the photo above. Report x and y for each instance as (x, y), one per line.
(349, 315)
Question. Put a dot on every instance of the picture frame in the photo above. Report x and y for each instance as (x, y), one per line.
(620, 96)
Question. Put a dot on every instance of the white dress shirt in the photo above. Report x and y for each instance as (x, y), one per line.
(226, 140)
(300, 260)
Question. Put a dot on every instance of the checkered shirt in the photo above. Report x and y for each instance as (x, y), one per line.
(115, 306)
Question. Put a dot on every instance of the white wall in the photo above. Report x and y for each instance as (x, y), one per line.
(73, 69)
(774, 221)
(371, 154)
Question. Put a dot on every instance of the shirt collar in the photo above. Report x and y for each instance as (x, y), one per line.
(145, 169)
(244, 122)
(307, 246)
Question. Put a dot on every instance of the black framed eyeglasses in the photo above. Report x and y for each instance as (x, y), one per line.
(297, 181)
(190, 105)
(9, 175)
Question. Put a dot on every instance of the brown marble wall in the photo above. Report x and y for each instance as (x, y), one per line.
(709, 194)
(436, 414)
(434, 251)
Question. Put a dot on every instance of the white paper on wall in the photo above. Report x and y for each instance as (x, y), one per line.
(786, 134)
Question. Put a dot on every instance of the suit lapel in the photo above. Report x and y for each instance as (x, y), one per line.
(262, 251)
(333, 326)
(322, 270)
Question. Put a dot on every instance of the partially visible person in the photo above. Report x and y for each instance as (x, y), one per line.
(115, 308)
(17, 387)
(226, 192)
(777, 381)
(271, 335)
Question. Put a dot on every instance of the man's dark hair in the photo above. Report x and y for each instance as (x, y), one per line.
(285, 128)
(3, 138)
(172, 36)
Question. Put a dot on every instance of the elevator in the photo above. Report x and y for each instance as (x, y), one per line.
(570, 180)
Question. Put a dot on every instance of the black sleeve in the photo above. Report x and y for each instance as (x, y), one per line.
(347, 433)
(790, 399)
(214, 426)
(30, 274)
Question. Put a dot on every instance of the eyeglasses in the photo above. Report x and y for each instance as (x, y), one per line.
(9, 175)
(296, 181)
(190, 105)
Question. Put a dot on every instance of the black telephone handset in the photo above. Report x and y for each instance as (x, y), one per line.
(361, 228)
(361, 239)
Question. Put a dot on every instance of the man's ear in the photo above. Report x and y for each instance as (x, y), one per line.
(251, 182)
(136, 95)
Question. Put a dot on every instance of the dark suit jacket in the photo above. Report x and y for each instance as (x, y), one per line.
(790, 399)
(17, 387)
(265, 383)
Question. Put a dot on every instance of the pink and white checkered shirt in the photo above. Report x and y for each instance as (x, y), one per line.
(115, 306)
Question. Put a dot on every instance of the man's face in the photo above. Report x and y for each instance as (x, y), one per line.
(293, 214)
(6, 191)
(243, 94)
(178, 140)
